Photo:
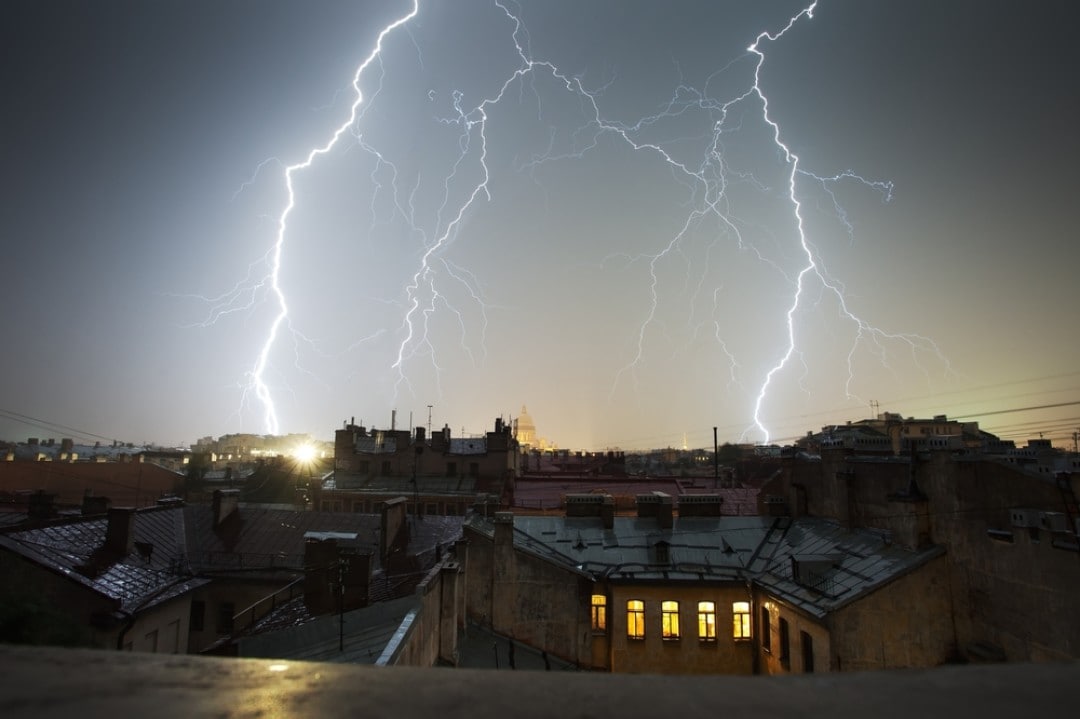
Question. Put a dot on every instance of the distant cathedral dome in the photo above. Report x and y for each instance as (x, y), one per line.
(524, 429)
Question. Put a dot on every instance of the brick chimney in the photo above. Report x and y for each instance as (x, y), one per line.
(591, 505)
(700, 505)
(505, 581)
(225, 504)
(334, 565)
(656, 504)
(120, 531)
(41, 505)
(393, 529)
(92, 505)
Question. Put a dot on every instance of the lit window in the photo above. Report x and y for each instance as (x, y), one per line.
(635, 619)
(669, 613)
(599, 612)
(706, 621)
(740, 612)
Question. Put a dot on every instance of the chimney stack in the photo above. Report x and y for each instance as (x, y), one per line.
(92, 505)
(700, 505)
(225, 504)
(592, 505)
(659, 505)
(120, 531)
(393, 529)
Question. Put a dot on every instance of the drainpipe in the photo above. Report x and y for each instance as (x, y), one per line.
(127, 627)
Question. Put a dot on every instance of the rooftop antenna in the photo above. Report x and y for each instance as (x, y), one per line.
(874, 406)
(429, 419)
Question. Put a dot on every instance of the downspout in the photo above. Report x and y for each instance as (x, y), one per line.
(127, 627)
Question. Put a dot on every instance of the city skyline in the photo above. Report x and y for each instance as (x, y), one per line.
(607, 213)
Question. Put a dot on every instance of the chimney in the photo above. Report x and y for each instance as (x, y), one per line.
(393, 529)
(92, 505)
(225, 504)
(607, 512)
(40, 505)
(420, 435)
(656, 504)
(120, 531)
(700, 505)
(333, 564)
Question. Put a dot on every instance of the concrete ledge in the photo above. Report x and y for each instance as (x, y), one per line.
(65, 683)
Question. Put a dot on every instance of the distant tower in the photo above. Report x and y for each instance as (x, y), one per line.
(524, 429)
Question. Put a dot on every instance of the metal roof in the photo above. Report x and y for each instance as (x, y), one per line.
(840, 564)
(152, 572)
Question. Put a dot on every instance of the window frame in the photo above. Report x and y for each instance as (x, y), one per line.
(766, 629)
(741, 631)
(669, 621)
(635, 619)
(598, 613)
(706, 621)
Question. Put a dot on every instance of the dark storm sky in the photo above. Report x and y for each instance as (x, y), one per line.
(137, 189)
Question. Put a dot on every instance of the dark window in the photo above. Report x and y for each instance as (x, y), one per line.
(226, 610)
(766, 630)
(198, 615)
(451, 469)
(785, 647)
(474, 469)
(431, 509)
(386, 469)
(365, 467)
(807, 643)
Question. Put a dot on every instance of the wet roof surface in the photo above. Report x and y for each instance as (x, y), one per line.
(838, 564)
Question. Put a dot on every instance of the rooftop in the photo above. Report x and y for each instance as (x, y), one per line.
(845, 563)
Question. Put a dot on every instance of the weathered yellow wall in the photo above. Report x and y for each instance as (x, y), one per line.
(770, 660)
(905, 624)
(687, 655)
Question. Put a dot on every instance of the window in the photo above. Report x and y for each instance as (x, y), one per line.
(451, 469)
(785, 648)
(474, 469)
(740, 614)
(386, 468)
(198, 615)
(364, 467)
(226, 610)
(635, 619)
(599, 613)
(807, 643)
(766, 630)
(669, 614)
(706, 621)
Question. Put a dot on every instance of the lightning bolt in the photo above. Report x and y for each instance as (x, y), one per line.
(257, 375)
(708, 180)
(813, 267)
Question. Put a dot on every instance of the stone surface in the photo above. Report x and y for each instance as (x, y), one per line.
(67, 683)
